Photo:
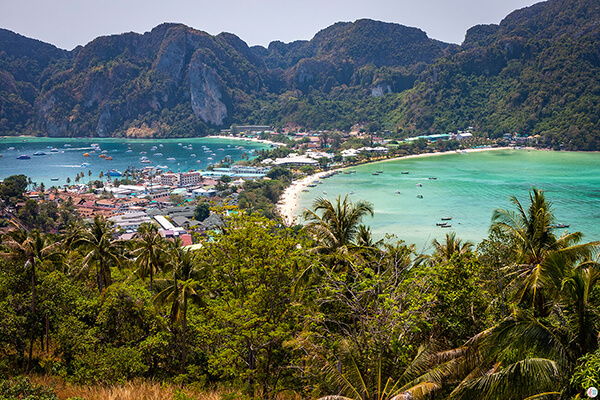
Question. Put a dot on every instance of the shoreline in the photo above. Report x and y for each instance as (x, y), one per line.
(288, 201)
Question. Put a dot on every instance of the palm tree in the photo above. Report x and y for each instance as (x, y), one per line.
(335, 226)
(148, 251)
(531, 232)
(102, 250)
(181, 289)
(33, 247)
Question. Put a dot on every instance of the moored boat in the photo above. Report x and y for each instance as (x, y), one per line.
(39, 153)
(23, 157)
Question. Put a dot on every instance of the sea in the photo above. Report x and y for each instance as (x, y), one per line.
(64, 158)
(411, 195)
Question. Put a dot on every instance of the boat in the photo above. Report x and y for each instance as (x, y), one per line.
(561, 226)
(312, 185)
(129, 151)
(86, 165)
(146, 161)
(441, 223)
(53, 179)
(352, 192)
(86, 154)
(419, 185)
(404, 172)
(158, 154)
(10, 148)
(432, 178)
(379, 172)
(446, 226)
(374, 173)
(108, 158)
(102, 156)
(305, 190)
(54, 150)
(143, 152)
(114, 172)
(192, 155)
(67, 145)
(446, 218)
(160, 145)
(23, 157)
(419, 196)
(397, 192)
(171, 159)
(39, 153)
(324, 192)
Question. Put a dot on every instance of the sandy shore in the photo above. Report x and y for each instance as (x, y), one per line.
(256, 140)
(288, 202)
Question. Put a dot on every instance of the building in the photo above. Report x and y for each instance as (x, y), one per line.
(189, 178)
(169, 179)
(131, 221)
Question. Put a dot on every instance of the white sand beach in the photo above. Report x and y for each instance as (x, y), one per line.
(288, 202)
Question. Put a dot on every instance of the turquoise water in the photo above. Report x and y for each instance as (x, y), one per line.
(67, 162)
(468, 188)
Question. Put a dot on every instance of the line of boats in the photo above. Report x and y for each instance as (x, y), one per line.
(445, 222)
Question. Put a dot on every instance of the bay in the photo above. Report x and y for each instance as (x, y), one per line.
(468, 188)
(53, 168)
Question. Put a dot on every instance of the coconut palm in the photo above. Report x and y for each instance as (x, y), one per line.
(32, 247)
(102, 250)
(181, 289)
(531, 230)
(148, 251)
(335, 226)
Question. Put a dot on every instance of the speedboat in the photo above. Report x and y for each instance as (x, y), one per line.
(23, 157)
(39, 153)
(419, 196)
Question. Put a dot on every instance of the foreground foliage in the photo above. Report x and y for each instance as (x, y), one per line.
(325, 311)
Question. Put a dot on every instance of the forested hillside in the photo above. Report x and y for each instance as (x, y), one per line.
(534, 73)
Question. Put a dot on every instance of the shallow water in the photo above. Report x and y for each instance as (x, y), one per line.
(54, 167)
(468, 188)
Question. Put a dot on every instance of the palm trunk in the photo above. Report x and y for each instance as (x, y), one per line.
(33, 310)
(183, 335)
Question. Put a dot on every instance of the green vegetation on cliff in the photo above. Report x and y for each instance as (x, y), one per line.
(534, 73)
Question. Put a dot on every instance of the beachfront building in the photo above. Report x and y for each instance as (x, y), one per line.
(292, 159)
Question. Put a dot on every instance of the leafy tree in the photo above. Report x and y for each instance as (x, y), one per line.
(32, 248)
(12, 189)
(202, 211)
(253, 265)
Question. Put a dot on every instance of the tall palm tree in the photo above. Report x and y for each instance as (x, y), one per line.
(181, 289)
(32, 247)
(103, 251)
(335, 226)
(531, 230)
(149, 248)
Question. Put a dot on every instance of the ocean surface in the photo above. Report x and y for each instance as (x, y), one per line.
(468, 187)
(53, 168)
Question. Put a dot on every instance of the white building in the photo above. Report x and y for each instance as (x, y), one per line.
(131, 221)
(189, 178)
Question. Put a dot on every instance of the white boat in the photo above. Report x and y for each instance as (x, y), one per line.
(171, 159)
